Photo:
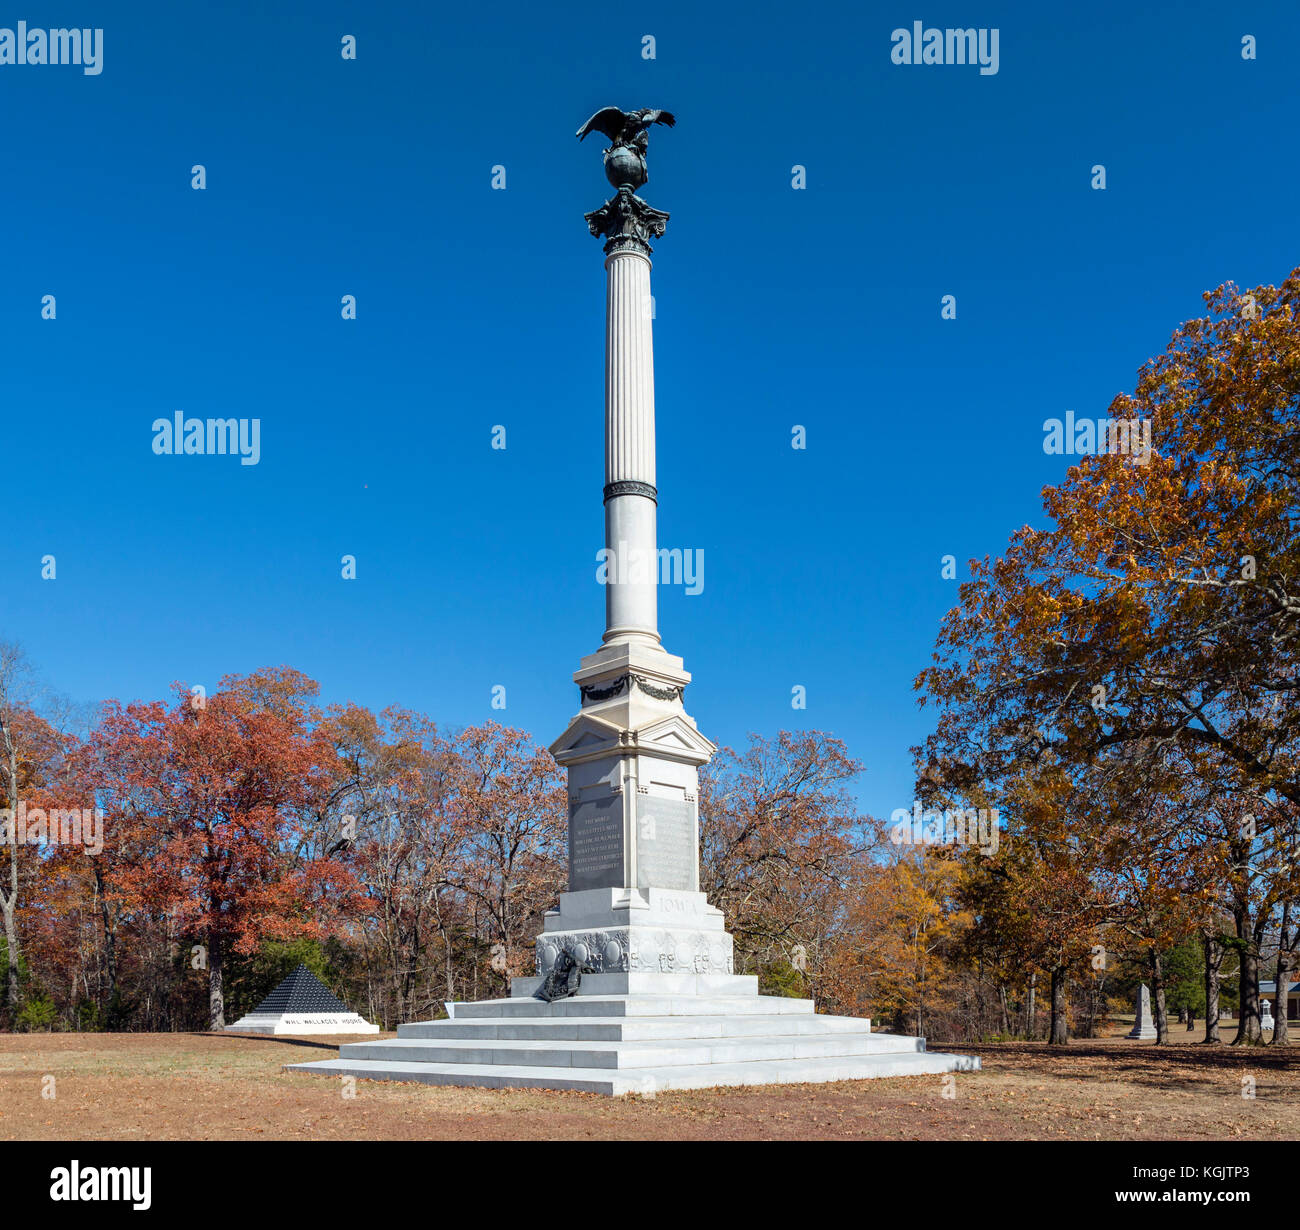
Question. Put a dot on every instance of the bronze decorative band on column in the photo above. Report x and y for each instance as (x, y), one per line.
(595, 694)
(671, 691)
(590, 692)
(631, 486)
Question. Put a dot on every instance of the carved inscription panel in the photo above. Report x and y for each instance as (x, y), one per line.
(666, 843)
(596, 843)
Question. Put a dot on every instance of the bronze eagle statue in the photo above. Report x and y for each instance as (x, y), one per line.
(626, 127)
(625, 219)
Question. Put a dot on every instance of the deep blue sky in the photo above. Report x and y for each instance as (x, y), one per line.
(477, 307)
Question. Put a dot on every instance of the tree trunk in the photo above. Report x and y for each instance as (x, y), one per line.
(920, 1000)
(450, 970)
(1030, 1023)
(1060, 1027)
(110, 949)
(1285, 959)
(444, 933)
(1006, 1016)
(1158, 1008)
(1249, 1032)
(12, 954)
(216, 994)
(9, 901)
(1213, 960)
(1279, 1007)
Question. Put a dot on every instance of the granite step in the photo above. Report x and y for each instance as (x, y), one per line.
(634, 1028)
(648, 1080)
(628, 983)
(634, 1005)
(670, 1053)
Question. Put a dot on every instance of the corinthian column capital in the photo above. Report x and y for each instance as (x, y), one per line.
(628, 221)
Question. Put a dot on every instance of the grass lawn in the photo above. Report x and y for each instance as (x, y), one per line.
(223, 1087)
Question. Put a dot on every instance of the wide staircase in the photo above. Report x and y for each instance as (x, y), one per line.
(620, 1035)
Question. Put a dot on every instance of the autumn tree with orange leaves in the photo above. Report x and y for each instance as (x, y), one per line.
(507, 809)
(779, 835)
(31, 758)
(211, 796)
(1161, 609)
(395, 769)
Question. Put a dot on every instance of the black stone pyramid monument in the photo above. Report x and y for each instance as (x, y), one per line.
(302, 1004)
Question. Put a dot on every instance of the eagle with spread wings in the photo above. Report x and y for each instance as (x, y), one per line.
(626, 127)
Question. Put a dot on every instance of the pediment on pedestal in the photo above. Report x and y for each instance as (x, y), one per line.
(676, 735)
(673, 736)
(585, 737)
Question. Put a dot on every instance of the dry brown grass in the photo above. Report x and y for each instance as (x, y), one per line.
(222, 1087)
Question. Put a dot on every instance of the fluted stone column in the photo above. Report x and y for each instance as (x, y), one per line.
(631, 609)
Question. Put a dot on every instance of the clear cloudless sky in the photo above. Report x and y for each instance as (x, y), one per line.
(477, 307)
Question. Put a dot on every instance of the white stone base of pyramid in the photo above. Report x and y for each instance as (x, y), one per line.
(302, 1023)
(639, 1033)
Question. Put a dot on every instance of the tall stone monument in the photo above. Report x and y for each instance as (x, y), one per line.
(1143, 1026)
(635, 988)
(632, 753)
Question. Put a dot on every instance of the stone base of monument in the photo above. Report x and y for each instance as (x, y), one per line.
(619, 1045)
(631, 1030)
(301, 1023)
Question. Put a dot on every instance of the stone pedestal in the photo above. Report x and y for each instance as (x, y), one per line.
(633, 931)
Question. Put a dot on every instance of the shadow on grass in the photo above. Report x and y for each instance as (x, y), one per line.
(1181, 1067)
(283, 1038)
